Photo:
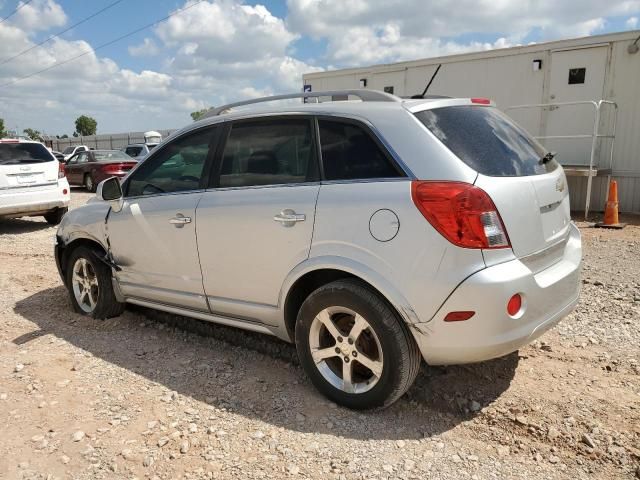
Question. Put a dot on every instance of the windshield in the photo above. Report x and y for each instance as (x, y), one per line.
(68, 150)
(111, 155)
(14, 153)
(488, 141)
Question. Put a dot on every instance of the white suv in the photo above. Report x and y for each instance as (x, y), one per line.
(32, 182)
(373, 234)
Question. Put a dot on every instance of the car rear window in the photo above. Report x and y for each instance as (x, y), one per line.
(487, 140)
(14, 153)
(111, 155)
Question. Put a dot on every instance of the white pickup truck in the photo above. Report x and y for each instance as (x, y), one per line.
(32, 182)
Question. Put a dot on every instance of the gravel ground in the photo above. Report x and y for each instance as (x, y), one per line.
(149, 395)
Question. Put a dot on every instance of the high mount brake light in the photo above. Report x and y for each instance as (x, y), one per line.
(481, 101)
(463, 213)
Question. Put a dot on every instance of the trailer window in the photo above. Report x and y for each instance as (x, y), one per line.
(487, 140)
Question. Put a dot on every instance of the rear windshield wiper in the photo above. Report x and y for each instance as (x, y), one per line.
(547, 158)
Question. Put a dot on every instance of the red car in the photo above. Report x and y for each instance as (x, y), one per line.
(88, 169)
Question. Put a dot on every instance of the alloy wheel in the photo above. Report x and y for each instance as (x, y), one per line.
(346, 350)
(85, 285)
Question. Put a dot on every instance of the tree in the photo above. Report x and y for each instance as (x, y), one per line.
(86, 126)
(62, 136)
(32, 134)
(3, 133)
(199, 114)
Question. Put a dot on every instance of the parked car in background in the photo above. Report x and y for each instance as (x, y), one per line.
(32, 182)
(139, 150)
(88, 168)
(73, 149)
(59, 156)
(372, 234)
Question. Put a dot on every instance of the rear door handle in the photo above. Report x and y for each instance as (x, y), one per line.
(179, 220)
(288, 217)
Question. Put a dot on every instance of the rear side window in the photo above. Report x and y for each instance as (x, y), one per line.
(15, 153)
(270, 152)
(350, 153)
(487, 140)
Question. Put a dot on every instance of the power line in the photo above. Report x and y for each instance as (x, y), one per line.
(24, 4)
(60, 33)
(111, 42)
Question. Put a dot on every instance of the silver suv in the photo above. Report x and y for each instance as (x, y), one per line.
(372, 233)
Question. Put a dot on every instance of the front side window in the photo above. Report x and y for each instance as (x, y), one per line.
(270, 152)
(178, 167)
(350, 153)
(82, 157)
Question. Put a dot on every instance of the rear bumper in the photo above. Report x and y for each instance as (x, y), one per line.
(34, 200)
(548, 296)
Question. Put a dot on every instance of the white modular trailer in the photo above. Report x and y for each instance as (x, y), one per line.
(556, 88)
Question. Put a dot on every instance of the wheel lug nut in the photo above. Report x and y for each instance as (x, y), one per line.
(351, 341)
(355, 354)
(339, 339)
(337, 350)
(346, 359)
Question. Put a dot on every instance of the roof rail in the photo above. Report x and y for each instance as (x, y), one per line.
(364, 95)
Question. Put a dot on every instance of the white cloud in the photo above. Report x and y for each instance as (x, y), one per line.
(148, 48)
(361, 32)
(220, 51)
(632, 22)
(39, 15)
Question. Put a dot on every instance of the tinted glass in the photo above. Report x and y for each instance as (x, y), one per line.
(349, 153)
(110, 155)
(14, 153)
(67, 150)
(82, 157)
(268, 153)
(487, 140)
(176, 168)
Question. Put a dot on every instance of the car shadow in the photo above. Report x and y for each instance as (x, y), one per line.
(16, 226)
(258, 376)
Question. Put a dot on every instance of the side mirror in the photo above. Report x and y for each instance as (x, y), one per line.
(110, 191)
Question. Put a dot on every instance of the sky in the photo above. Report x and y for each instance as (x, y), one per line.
(211, 52)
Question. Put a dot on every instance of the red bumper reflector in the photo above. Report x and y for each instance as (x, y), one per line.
(514, 305)
(458, 316)
(64, 191)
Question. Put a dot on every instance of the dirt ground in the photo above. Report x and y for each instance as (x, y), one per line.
(148, 395)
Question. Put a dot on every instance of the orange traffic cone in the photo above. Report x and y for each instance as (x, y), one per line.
(611, 209)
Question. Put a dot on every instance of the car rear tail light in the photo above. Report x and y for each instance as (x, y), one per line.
(61, 170)
(514, 305)
(116, 167)
(463, 213)
(481, 101)
(458, 316)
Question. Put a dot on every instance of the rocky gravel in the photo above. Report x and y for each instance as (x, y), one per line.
(153, 396)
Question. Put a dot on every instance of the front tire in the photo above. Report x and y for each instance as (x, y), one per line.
(354, 347)
(89, 284)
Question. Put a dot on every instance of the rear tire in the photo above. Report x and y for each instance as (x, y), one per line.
(89, 285)
(366, 357)
(54, 217)
(89, 183)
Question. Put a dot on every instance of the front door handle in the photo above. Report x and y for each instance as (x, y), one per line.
(179, 220)
(288, 217)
